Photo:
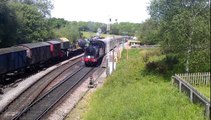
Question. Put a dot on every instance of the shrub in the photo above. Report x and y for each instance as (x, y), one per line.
(147, 53)
(170, 61)
(151, 65)
(158, 67)
(162, 68)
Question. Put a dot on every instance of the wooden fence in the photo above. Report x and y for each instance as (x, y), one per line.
(196, 78)
(182, 81)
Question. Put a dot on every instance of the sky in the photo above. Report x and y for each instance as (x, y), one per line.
(134, 11)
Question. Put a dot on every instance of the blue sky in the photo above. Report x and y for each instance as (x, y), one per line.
(101, 10)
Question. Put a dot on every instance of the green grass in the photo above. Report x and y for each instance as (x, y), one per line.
(132, 94)
(90, 34)
(205, 90)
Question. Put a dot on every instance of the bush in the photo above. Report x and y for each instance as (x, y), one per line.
(151, 65)
(146, 54)
(170, 61)
(163, 66)
(158, 67)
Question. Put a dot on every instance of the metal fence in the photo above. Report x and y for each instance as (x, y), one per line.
(184, 81)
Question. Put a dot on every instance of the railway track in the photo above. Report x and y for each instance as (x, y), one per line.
(29, 95)
(41, 106)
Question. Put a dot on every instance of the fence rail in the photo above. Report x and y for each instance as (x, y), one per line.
(182, 81)
(196, 78)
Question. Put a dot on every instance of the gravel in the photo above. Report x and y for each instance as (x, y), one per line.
(71, 103)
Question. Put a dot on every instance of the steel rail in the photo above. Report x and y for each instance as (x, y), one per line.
(31, 93)
(41, 106)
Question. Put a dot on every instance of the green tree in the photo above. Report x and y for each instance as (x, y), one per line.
(128, 28)
(148, 32)
(22, 21)
(70, 31)
(8, 25)
(115, 29)
(32, 26)
(44, 6)
(184, 30)
(57, 23)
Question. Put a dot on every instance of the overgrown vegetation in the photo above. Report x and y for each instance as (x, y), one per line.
(205, 90)
(165, 65)
(131, 93)
(182, 28)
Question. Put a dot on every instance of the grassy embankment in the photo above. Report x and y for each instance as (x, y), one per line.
(131, 93)
(205, 90)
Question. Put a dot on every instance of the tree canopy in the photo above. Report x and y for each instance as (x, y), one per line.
(184, 29)
(70, 31)
(23, 21)
(148, 32)
(8, 24)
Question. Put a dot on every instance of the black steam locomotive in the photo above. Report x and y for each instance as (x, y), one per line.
(97, 48)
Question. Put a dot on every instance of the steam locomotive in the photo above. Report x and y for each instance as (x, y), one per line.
(97, 48)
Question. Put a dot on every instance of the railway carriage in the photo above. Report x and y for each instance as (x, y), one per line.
(65, 45)
(37, 52)
(32, 55)
(12, 59)
(55, 48)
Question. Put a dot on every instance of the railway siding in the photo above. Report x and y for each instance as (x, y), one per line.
(41, 106)
(32, 92)
(12, 94)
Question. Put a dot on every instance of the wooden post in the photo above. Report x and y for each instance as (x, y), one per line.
(180, 86)
(207, 111)
(191, 95)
